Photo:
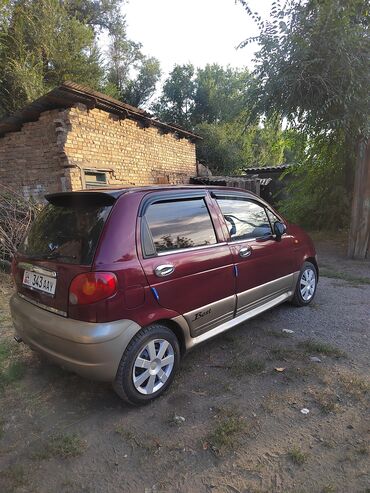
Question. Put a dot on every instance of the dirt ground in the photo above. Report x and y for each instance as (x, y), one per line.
(230, 423)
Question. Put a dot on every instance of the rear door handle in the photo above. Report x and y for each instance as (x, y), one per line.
(164, 270)
(245, 251)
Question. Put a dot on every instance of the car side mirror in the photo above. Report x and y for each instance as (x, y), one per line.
(279, 229)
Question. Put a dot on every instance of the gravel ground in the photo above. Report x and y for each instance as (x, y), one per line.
(231, 422)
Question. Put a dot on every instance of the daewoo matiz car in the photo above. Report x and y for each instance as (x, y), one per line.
(117, 284)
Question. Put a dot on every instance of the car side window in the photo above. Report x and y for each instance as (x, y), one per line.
(245, 219)
(180, 224)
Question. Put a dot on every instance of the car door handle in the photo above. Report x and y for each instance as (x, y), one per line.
(164, 270)
(245, 252)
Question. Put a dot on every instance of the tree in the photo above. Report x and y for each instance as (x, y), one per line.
(40, 46)
(97, 14)
(131, 76)
(45, 42)
(219, 94)
(212, 102)
(312, 67)
(176, 103)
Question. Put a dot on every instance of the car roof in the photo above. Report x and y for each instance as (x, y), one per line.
(116, 192)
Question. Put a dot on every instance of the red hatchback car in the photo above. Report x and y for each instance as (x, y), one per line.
(117, 284)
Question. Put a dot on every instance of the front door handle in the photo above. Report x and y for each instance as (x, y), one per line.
(245, 251)
(164, 270)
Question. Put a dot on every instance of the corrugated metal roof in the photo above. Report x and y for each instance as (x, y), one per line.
(70, 93)
(266, 169)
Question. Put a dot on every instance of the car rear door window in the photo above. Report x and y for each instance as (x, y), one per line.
(245, 219)
(180, 224)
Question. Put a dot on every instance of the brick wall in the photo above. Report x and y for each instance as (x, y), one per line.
(135, 155)
(31, 160)
(49, 154)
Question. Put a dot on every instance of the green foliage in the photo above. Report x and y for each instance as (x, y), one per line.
(212, 102)
(313, 64)
(313, 68)
(221, 147)
(45, 42)
(317, 191)
(96, 13)
(219, 94)
(131, 76)
(229, 147)
(176, 104)
(140, 89)
(41, 45)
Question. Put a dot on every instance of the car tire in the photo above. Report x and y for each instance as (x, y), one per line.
(306, 285)
(148, 365)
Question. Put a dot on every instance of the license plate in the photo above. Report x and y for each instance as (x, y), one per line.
(39, 282)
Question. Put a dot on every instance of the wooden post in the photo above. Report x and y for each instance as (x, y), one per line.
(359, 235)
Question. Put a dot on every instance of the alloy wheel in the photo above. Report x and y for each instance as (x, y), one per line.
(153, 366)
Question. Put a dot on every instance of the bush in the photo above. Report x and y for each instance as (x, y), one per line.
(318, 195)
(16, 216)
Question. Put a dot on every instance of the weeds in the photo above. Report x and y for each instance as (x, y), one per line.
(128, 435)
(63, 446)
(354, 385)
(146, 442)
(246, 367)
(328, 488)
(12, 478)
(327, 272)
(297, 456)
(14, 372)
(283, 353)
(226, 432)
(327, 401)
(310, 346)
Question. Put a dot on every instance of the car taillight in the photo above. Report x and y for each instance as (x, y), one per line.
(91, 287)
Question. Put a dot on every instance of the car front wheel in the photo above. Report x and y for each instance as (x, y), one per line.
(148, 365)
(306, 285)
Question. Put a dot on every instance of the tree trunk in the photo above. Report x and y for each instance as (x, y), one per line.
(359, 235)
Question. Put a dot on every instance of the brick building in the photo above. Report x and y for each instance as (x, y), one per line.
(74, 138)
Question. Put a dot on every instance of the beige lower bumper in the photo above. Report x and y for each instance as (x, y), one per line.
(92, 350)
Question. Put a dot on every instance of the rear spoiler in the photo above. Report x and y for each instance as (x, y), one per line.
(80, 199)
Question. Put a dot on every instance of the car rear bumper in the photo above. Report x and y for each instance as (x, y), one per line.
(92, 350)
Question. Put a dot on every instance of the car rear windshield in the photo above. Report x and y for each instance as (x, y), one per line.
(68, 233)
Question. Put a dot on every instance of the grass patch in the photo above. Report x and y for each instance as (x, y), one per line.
(332, 274)
(247, 366)
(329, 488)
(127, 434)
(12, 478)
(297, 456)
(326, 400)
(354, 385)
(229, 427)
(64, 446)
(362, 450)
(311, 346)
(5, 351)
(14, 372)
(11, 368)
(283, 353)
(146, 442)
(277, 334)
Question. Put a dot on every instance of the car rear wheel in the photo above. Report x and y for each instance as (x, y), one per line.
(148, 365)
(306, 285)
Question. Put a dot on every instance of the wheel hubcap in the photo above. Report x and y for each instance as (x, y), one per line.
(308, 284)
(153, 366)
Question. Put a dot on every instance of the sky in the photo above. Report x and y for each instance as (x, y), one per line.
(195, 31)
